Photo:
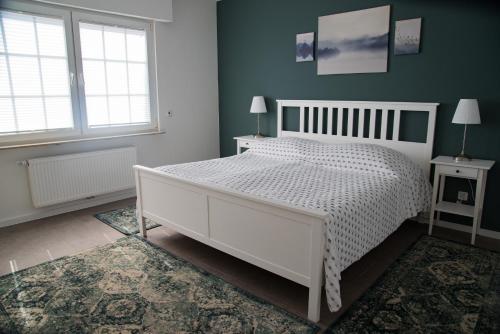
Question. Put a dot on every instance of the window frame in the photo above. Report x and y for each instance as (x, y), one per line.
(80, 131)
(65, 15)
(151, 65)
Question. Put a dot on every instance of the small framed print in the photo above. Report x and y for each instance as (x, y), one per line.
(407, 37)
(304, 50)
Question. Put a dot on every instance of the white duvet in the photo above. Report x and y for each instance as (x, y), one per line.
(367, 191)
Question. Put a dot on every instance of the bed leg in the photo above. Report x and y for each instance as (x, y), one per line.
(140, 219)
(316, 283)
(142, 225)
(314, 305)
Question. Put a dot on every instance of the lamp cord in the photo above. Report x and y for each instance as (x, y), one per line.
(258, 124)
(471, 191)
(463, 141)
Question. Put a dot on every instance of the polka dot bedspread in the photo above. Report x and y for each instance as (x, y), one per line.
(367, 191)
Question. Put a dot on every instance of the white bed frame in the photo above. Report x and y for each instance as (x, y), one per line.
(285, 240)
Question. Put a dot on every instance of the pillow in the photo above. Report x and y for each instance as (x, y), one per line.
(285, 148)
(367, 158)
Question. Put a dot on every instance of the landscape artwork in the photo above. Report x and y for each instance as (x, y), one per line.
(304, 50)
(354, 42)
(407, 37)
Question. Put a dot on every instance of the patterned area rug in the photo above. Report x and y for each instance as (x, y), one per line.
(124, 220)
(131, 286)
(437, 286)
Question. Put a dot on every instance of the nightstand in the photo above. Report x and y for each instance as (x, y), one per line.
(246, 142)
(474, 170)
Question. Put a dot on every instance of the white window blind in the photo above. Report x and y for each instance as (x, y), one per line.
(68, 74)
(115, 72)
(35, 92)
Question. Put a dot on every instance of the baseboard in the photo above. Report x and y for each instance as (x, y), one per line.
(67, 207)
(459, 227)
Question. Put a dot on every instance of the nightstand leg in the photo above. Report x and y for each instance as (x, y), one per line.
(238, 147)
(434, 198)
(478, 206)
(440, 197)
(482, 201)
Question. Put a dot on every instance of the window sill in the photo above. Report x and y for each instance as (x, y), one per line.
(81, 139)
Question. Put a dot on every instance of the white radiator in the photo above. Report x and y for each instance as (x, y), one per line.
(70, 177)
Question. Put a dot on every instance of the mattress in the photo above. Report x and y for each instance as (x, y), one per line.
(366, 190)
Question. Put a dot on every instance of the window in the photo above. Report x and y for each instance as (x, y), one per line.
(34, 82)
(116, 75)
(73, 74)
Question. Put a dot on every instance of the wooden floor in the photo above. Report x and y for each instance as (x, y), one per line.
(31, 243)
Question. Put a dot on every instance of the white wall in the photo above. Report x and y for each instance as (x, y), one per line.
(187, 85)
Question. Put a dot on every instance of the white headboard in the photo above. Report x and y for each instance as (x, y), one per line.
(420, 153)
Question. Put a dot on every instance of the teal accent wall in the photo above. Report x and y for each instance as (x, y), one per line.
(459, 58)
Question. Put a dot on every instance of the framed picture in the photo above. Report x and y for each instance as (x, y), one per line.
(354, 42)
(304, 47)
(407, 37)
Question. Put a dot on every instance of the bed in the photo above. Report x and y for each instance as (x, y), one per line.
(307, 204)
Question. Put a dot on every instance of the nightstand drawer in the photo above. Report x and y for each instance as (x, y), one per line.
(246, 143)
(458, 171)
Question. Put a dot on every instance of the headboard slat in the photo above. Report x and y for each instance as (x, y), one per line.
(329, 129)
(361, 123)
(320, 120)
(373, 114)
(302, 119)
(310, 125)
(396, 123)
(340, 120)
(383, 129)
(350, 121)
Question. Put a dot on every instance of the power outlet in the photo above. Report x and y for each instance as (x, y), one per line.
(463, 196)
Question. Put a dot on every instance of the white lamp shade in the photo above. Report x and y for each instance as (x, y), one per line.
(467, 112)
(258, 105)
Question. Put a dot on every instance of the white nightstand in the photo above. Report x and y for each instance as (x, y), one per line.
(246, 142)
(474, 170)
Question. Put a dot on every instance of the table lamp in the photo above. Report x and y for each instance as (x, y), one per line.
(258, 107)
(467, 113)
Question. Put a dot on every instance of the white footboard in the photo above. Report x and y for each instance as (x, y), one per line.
(285, 240)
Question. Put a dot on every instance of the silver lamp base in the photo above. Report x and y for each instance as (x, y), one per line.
(462, 157)
(258, 135)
